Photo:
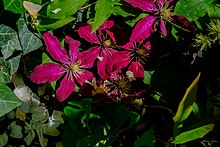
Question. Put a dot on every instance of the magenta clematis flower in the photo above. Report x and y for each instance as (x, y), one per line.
(104, 41)
(71, 66)
(159, 11)
(134, 55)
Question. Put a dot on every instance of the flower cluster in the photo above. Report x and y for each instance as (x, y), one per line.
(116, 66)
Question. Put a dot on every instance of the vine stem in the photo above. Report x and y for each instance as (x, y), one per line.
(87, 6)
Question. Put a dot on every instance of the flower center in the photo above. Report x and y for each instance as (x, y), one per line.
(166, 13)
(75, 67)
(141, 52)
(107, 42)
(122, 85)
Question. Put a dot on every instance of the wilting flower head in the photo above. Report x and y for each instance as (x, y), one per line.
(134, 56)
(104, 41)
(72, 66)
(159, 11)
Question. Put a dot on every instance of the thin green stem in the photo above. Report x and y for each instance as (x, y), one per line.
(176, 25)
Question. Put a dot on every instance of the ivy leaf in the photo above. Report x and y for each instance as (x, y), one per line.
(193, 134)
(8, 100)
(3, 139)
(9, 41)
(185, 106)
(14, 5)
(60, 9)
(103, 9)
(29, 41)
(31, 134)
(14, 63)
(192, 9)
(4, 71)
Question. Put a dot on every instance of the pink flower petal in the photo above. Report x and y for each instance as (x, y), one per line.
(147, 45)
(111, 34)
(143, 29)
(128, 46)
(55, 49)
(105, 66)
(47, 72)
(67, 86)
(145, 5)
(160, 3)
(86, 33)
(121, 60)
(163, 28)
(88, 57)
(85, 75)
(73, 46)
(106, 25)
(137, 69)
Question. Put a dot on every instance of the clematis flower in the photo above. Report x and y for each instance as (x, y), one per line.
(104, 41)
(71, 66)
(134, 56)
(159, 11)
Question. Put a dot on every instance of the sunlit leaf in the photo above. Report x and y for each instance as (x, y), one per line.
(134, 21)
(119, 11)
(193, 134)
(8, 100)
(32, 8)
(214, 11)
(185, 106)
(14, 5)
(60, 9)
(52, 24)
(192, 9)
(9, 41)
(103, 10)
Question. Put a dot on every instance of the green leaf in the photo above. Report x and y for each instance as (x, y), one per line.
(60, 9)
(147, 139)
(214, 11)
(16, 131)
(52, 24)
(3, 139)
(174, 32)
(15, 6)
(9, 41)
(8, 100)
(193, 134)
(192, 9)
(29, 41)
(4, 71)
(134, 21)
(119, 11)
(103, 9)
(147, 77)
(31, 134)
(14, 63)
(72, 112)
(185, 106)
